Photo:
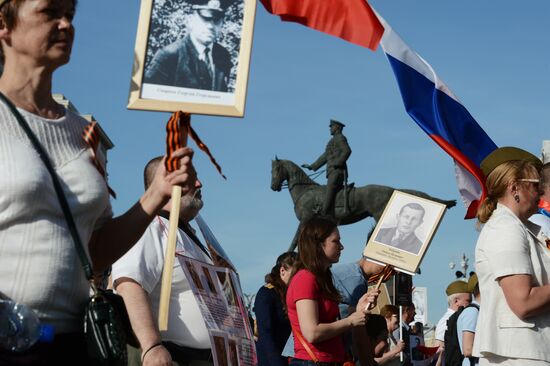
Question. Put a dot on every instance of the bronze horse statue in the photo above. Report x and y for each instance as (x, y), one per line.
(307, 195)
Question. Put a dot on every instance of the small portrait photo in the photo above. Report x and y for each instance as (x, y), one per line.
(228, 288)
(219, 348)
(404, 231)
(416, 343)
(233, 354)
(209, 280)
(195, 279)
(191, 52)
(420, 301)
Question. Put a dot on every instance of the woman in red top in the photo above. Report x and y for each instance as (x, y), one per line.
(312, 300)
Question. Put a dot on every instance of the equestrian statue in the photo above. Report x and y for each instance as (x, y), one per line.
(351, 204)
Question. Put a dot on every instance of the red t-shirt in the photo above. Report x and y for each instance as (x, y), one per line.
(304, 286)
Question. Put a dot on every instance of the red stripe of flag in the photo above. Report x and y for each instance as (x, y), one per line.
(352, 20)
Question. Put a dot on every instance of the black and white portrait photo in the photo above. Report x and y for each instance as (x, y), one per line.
(192, 52)
(404, 231)
(403, 235)
(190, 45)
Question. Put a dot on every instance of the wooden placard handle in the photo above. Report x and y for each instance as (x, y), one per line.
(177, 131)
(377, 287)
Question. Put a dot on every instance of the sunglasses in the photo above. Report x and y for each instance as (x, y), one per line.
(530, 180)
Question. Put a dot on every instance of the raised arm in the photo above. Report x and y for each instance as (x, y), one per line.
(119, 234)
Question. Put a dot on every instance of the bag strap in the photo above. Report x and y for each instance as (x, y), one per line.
(304, 344)
(58, 190)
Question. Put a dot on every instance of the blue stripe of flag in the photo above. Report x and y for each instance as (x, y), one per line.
(439, 114)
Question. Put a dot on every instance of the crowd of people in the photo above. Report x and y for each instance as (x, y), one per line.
(311, 309)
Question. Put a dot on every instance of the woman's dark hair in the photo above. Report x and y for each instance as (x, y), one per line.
(312, 257)
(376, 324)
(286, 260)
(388, 310)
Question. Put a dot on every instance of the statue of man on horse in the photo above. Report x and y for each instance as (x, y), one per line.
(335, 156)
(307, 196)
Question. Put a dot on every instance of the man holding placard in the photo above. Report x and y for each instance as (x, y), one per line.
(137, 278)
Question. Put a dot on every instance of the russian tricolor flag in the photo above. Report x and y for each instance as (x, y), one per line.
(427, 99)
(441, 115)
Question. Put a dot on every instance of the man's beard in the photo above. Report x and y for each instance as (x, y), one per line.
(191, 206)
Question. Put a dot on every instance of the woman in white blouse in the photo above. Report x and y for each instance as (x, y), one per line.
(513, 265)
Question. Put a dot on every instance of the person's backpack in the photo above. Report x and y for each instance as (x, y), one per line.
(453, 355)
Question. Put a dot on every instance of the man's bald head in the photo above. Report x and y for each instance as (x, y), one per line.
(149, 171)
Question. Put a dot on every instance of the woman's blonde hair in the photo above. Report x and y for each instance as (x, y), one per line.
(499, 180)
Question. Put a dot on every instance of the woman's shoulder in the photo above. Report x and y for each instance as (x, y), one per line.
(304, 273)
(75, 118)
(302, 278)
(266, 290)
(502, 230)
(502, 220)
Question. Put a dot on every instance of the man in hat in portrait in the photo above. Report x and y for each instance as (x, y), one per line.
(195, 61)
(335, 156)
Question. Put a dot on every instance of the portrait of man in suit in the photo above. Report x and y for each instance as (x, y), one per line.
(402, 236)
(196, 61)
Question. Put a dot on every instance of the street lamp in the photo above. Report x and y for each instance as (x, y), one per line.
(463, 265)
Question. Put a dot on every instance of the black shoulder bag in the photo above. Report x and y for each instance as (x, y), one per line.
(106, 324)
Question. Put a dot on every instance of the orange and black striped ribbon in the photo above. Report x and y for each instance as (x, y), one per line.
(385, 273)
(91, 137)
(179, 124)
(176, 129)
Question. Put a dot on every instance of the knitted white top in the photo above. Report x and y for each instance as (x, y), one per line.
(39, 266)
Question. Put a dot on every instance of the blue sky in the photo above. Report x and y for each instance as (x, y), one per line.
(492, 56)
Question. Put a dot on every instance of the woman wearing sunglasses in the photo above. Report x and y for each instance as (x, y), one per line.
(512, 264)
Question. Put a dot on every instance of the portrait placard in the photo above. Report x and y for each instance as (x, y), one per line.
(420, 301)
(404, 231)
(192, 56)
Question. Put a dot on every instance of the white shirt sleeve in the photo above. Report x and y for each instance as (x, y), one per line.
(144, 262)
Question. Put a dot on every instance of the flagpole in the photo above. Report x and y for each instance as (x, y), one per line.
(400, 331)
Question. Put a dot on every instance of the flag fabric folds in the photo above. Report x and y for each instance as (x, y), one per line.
(438, 112)
(352, 20)
(427, 99)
